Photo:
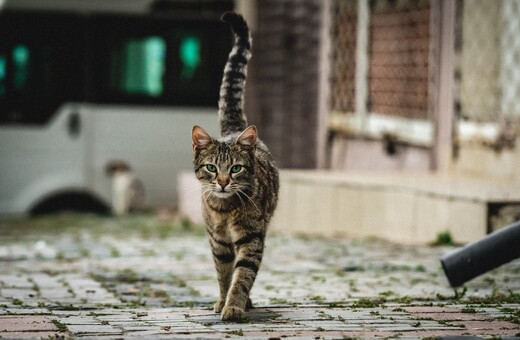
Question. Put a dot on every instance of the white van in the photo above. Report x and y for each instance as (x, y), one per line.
(86, 83)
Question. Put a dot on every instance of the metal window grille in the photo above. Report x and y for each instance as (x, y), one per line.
(398, 57)
(344, 52)
(488, 60)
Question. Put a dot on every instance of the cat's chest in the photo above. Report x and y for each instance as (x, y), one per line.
(222, 223)
(218, 220)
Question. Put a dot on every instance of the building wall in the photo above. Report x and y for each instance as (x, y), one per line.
(282, 99)
(488, 53)
(374, 155)
(509, 76)
(479, 60)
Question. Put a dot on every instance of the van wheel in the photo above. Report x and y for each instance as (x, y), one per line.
(70, 202)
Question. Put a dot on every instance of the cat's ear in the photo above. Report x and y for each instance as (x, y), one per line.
(247, 138)
(201, 139)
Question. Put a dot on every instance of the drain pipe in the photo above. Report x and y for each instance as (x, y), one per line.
(483, 255)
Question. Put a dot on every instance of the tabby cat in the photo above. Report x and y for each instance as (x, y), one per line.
(239, 182)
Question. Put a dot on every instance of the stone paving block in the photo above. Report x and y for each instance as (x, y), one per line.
(16, 310)
(348, 314)
(90, 292)
(184, 328)
(4, 301)
(259, 326)
(73, 312)
(299, 315)
(430, 309)
(131, 327)
(451, 316)
(46, 281)
(331, 325)
(15, 281)
(165, 334)
(114, 311)
(25, 303)
(55, 292)
(229, 326)
(100, 301)
(79, 320)
(490, 325)
(122, 323)
(92, 330)
(30, 335)
(115, 319)
(458, 333)
(27, 323)
(18, 293)
(166, 317)
(395, 328)
(182, 332)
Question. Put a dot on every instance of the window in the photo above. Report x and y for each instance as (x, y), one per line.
(40, 67)
(399, 51)
(138, 66)
(384, 69)
(488, 52)
(158, 62)
(20, 57)
(3, 75)
(63, 58)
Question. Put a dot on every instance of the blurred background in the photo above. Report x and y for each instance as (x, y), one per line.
(390, 118)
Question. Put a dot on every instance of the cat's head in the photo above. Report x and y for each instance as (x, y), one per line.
(225, 166)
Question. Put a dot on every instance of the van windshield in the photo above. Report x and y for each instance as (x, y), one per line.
(40, 67)
(109, 59)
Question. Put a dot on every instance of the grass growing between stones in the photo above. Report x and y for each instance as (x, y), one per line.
(61, 327)
(141, 271)
(513, 315)
(77, 226)
(137, 289)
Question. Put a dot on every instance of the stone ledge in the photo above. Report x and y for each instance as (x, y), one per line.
(400, 207)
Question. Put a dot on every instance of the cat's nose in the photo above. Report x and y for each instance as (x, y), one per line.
(223, 181)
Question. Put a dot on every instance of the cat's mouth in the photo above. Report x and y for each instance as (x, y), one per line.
(222, 194)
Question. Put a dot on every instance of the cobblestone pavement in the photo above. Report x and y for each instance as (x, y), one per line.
(148, 277)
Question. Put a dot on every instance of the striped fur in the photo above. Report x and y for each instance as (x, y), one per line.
(240, 185)
(231, 102)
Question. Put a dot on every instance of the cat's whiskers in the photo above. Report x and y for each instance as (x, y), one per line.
(194, 189)
(205, 195)
(249, 198)
(237, 192)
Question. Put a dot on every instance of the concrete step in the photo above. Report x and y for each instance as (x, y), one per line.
(400, 207)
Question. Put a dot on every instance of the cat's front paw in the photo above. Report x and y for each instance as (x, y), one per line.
(249, 304)
(219, 305)
(232, 313)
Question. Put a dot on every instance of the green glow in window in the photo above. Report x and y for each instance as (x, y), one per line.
(3, 71)
(20, 55)
(190, 56)
(144, 64)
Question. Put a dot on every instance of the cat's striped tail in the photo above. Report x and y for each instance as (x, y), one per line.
(231, 101)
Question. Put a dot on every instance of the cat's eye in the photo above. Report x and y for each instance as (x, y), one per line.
(211, 168)
(236, 168)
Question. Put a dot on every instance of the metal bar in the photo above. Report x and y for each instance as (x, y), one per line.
(483, 255)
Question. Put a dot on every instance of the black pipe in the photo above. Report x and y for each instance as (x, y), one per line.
(483, 255)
